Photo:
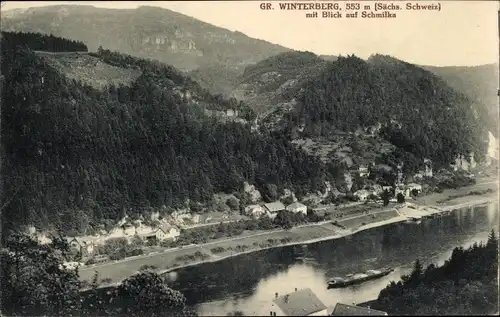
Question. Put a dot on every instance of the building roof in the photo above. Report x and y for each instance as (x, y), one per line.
(81, 240)
(275, 206)
(296, 205)
(300, 303)
(250, 207)
(414, 185)
(362, 192)
(351, 310)
(166, 227)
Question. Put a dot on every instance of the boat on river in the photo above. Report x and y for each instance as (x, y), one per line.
(351, 279)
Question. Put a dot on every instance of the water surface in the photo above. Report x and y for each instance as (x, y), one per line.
(249, 282)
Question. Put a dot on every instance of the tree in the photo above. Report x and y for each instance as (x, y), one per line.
(146, 294)
(284, 219)
(232, 203)
(385, 197)
(414, 192)
(467, 283)
(288, 200)
(401, 198)
(271, 192)
(417, 272)
(34, 281)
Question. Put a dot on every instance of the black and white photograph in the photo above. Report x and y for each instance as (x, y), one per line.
(249, 158)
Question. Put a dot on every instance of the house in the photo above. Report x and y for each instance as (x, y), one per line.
(299, 303)
(363, 171)
(273, 208)
(166, 231)
(128, 229)
(352, 310)
(85, 246)
(297, 208)
(402, 190)
(362, 194)
(254, 210)
(231, 113)
(162, 233)
(414, 186)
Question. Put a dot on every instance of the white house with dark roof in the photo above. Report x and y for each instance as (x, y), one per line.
(299, 303)
(352, 310)
(297, 207)
(85, 245)
(273, 208)
(161, 233)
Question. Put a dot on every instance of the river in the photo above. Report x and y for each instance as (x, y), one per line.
(248, 283)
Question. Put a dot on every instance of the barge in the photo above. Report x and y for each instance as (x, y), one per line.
(352, 279)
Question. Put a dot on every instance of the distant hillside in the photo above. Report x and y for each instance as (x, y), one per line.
(147, 31)
(385, 98)
(79, 155)
(217, 78)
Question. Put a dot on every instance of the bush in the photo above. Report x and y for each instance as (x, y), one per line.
(106, 280)
(147, 267)
(135, 252)
(118, 255)
(218, 250)
(233, 203)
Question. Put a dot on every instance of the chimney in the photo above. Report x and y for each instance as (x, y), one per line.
(296, 289)
(276, 295)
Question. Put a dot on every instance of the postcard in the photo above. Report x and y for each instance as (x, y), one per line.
(249, 158)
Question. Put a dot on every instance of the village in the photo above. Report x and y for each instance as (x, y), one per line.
(135, 237)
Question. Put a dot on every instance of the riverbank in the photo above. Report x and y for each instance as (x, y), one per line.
(174, 259)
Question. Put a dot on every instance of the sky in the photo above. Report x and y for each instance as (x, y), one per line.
(462, 33)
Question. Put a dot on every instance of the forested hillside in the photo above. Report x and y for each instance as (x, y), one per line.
(40, 42)
(410, 107)
(379, 100)
(480, 84)
(76, 156)
(467, 284)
